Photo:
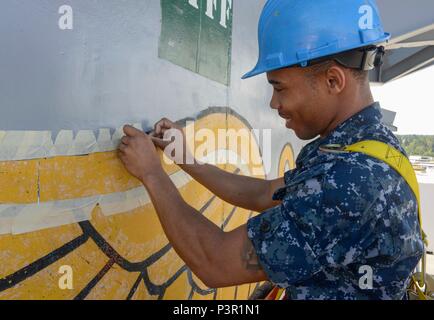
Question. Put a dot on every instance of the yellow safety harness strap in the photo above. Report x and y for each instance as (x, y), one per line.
(402, 165)
(397, 161)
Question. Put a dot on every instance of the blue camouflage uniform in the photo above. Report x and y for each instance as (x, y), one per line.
(339, 214)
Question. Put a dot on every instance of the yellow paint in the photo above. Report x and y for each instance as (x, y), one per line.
(115, 285)
(165, 268)
(197, 296)
(215, 211)
(19, 181)
(142, 293)
(17, 251)
(239, 217)
(138, 234)
(243, 292)
(86, 261)
(179, 290)
(286, 160)
(62, 177)
(135, 235)
(226, 293)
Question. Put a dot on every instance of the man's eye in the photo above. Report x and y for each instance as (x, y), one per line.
(278, 90)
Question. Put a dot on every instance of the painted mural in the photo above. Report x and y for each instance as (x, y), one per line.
(86, 215)
(73, 223)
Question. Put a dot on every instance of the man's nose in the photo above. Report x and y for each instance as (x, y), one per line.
(274, 103)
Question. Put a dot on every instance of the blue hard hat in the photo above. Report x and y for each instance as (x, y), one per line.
(294, 32)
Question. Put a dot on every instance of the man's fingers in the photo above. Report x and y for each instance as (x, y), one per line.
(122, 157)
(125, 140)
(162, 126)
(160, 143)
(131, 131)
(151, 133)
(123, 148)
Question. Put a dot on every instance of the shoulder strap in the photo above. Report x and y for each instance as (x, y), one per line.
(396, 160)
(402, 165)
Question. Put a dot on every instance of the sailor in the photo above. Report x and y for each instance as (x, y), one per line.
(336, 215)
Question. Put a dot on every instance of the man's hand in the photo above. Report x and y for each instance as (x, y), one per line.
(163, 134)
(241, 191)
(160, 128)
(219, 259)
(138, 154)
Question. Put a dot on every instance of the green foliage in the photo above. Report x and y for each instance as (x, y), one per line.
(416, 145)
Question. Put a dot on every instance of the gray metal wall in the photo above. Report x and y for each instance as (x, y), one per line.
(106, 71)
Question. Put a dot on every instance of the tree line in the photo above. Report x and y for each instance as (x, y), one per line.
(417, 145)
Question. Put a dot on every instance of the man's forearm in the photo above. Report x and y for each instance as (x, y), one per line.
(241, 191)
(216, 257)
(194, 237)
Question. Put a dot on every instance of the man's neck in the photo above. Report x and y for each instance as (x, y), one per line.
(349, 109)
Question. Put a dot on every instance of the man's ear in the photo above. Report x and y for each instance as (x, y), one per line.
(336, 79)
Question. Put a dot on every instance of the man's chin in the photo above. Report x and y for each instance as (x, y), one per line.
(304, 137)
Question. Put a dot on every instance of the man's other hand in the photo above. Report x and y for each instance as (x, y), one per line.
(167, 132)
(139, 154)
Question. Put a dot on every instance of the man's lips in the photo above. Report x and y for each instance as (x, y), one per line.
(284, 116)
(287, 118)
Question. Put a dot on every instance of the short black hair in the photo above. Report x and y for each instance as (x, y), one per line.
(358, 74)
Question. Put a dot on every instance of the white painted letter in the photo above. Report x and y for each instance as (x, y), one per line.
(193, 3)
(66, 21)
(225, 13)
(65, 281)
(211, 5)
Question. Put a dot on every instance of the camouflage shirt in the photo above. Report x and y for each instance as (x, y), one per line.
(343, 217)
